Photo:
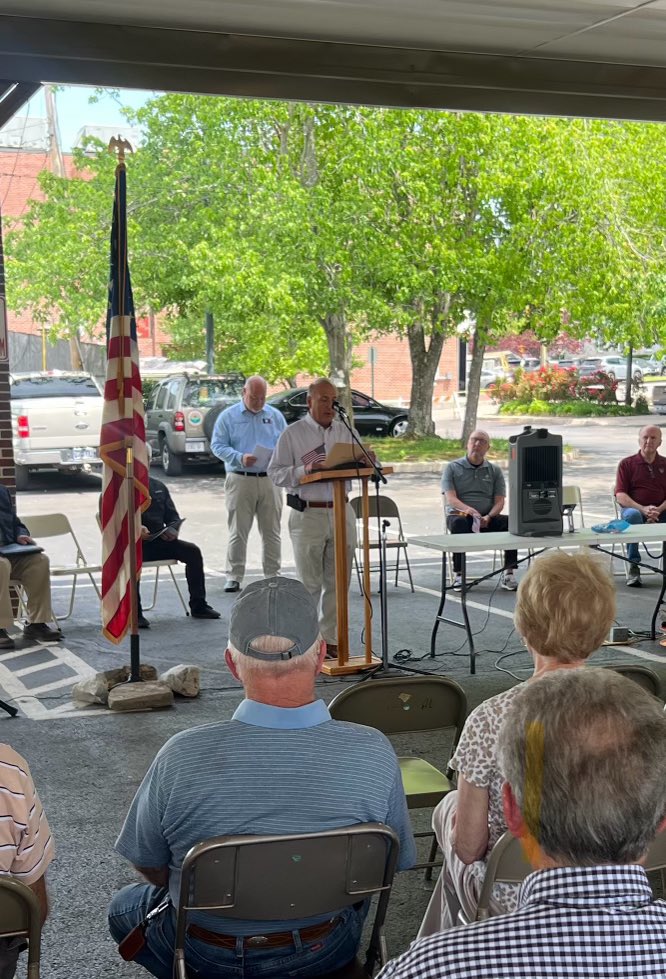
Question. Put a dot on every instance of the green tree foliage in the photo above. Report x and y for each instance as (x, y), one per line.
(305, 227)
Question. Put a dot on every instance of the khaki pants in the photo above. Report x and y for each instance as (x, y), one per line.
(248, 497)
(34, 574)
(313, 539)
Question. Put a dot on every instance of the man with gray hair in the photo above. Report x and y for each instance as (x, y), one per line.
(262, 772)
(640, 491)
(584, 757)
(301, 450)
(248, 493)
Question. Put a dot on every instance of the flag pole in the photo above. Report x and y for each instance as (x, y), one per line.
(135, 643)
(118, 145)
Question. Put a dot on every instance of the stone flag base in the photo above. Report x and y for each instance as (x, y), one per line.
(146, 695)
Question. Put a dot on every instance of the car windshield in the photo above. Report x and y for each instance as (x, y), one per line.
(61, 386)
(206, 393)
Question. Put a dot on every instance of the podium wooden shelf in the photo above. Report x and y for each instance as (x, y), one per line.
(345, 663)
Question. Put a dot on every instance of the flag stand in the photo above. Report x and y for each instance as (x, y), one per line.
(135, 646)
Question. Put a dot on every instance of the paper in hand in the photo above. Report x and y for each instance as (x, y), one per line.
(263, 456)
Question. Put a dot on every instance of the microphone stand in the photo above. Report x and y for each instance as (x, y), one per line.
(385, 669)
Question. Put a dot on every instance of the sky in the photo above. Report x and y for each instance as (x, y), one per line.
(75, 111)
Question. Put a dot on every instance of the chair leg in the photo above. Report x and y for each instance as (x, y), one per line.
(431, 857)
(147, 608)
(358, 573)
(180, 594)
(409, 570)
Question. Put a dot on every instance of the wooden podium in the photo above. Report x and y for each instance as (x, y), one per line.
(346, 663)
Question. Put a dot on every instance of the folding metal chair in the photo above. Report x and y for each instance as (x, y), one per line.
(408, 705)
(642, 675)
(283, 878)
(507, 864)
(387, 509)
(169, 564)
(45, 525)
(21, 917)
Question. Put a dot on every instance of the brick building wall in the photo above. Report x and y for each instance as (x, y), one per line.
(393, 370)
(19, 184)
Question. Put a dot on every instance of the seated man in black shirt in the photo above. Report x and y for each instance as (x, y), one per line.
(160, 514)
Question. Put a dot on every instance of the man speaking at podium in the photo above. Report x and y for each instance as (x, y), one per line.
(301, 449)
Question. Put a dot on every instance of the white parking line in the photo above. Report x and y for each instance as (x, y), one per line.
(27, 698)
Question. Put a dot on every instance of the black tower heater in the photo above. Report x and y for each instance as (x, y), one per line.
(535, 483)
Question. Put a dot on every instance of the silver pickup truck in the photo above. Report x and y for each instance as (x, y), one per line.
(56, 421)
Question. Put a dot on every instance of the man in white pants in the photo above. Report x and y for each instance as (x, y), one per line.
(247, 491)
(302, 449)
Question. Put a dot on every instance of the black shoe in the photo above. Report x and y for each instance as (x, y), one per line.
(6, 642)
(143, 622)
(232, 585)
(42, 632)
(205, 612)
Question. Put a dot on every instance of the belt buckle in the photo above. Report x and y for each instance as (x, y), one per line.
(254, 940)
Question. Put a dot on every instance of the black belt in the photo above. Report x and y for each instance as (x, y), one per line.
(241, 472)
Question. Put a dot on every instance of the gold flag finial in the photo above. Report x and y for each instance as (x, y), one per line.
(119, 145)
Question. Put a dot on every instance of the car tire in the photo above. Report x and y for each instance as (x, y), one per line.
(398, 427)
(21, 477)
(611, 374)
(638, 377)
(171, 463)
(210, 418)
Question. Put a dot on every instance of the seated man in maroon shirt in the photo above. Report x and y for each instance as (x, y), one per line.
(640, 490)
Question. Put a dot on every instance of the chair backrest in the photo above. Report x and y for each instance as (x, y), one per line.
(402, 705)
(656, 855)
(387, 507)
(43, 525)
(301, 876)
(642, 675)
(507, 864)
(21, 916)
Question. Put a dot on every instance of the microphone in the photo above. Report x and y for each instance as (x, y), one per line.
(338, 407)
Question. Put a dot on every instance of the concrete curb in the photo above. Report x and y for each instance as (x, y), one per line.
(436, 466)
(627, 421)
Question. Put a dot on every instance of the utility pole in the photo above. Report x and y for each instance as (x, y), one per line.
(210, 343)
(57, 166)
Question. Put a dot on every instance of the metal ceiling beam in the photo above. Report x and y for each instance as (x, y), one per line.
(34, 50)
(13, 96)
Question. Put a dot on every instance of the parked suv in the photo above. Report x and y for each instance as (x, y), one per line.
(181, 415)
(613, 365)
(56, 421)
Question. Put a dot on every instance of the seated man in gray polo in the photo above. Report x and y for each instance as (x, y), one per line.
(474, 495)
(264, 771)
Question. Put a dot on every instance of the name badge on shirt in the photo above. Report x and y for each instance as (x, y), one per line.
(267, 421)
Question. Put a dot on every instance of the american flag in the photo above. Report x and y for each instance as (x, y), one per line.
(315, 455)
(122, 421)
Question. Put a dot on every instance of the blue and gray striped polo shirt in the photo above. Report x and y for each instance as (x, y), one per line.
(268, 770)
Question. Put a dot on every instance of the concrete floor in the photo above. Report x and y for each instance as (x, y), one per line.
(87, 764)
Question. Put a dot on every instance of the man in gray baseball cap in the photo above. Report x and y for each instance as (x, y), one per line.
(264, 771)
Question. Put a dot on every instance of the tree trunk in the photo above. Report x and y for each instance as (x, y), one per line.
(75, 354)
(473, 390)
(628, 384)
(425, 360)
(339, 355)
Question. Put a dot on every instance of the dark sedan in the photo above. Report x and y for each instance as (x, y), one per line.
(370, 417)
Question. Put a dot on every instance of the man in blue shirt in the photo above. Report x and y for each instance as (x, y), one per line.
(263, 772)
(583, 753)
(247, 492)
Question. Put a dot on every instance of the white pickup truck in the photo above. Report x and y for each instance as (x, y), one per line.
(56, 421)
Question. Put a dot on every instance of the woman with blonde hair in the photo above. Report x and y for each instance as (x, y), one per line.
(564, 610)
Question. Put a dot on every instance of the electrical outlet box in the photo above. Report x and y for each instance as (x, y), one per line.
(618, 634)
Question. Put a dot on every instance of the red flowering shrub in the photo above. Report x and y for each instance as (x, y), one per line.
(555, 384)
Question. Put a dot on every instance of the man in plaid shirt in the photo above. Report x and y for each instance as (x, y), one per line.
(583, 753)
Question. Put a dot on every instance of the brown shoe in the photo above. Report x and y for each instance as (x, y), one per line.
(6, 642)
